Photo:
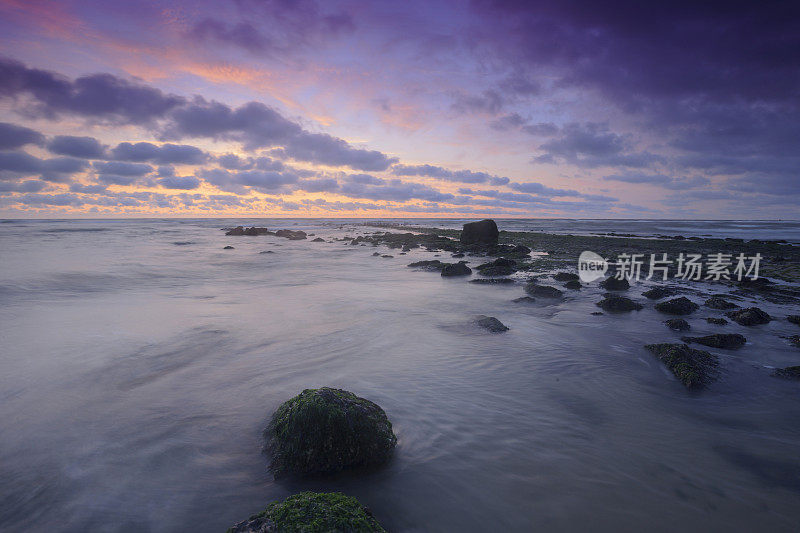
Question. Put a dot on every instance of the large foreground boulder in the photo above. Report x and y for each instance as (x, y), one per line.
(327, 430)
(312, 512)
(694, 368)
(483, 232)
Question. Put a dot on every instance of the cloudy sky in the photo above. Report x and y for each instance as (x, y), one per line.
(415, 108)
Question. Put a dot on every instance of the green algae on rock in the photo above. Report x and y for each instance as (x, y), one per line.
(327, 430)
(312, 512)
(694, 368)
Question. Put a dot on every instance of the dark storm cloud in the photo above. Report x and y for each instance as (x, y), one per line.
(166, 154)
(594, 145)
(13, 136)
(459, 176)
(85, 147)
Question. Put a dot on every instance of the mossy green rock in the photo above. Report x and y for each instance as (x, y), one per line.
(326, 430)
(694, 368)
(312, 512)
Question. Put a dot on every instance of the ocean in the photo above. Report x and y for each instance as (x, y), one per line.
(141, 362)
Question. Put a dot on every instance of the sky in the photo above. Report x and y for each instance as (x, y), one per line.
(575, 109)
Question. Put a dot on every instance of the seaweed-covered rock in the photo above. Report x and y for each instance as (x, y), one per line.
(694, 368)
(794, 319)
(498, 267)
(726, 341)
(327, 430)
(433, 265)
(542, 291)
(573, 284)
(490, 323)
(566, 276)
(656, 293)
(292, 235)
(790, 372)
(677, 324)
(618, 304)
(718, 321)
(456, 269)
(751, 316)
(615, 284)
(715, 302)
(677, 306)
(483, 232)
(312, 512)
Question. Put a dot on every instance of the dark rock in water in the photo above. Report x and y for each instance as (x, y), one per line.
(614, 284)
(490, 323)
(716, 302)
(433, 265)
(566, 276)
(656, 293)
(492, 281)
(596, 313)
(267, 252)
(757, 284)
(228, 248)
(677, 324)
(618, 304)
(318, 239)
(458, 255)
(387, 256)
(794, 319)
(717, 321)
(677, 306)
(694, 368)
(795, 340)
(498, 267)
(751, 316)
(524, 299)
(292, 235)
(377, 254)
(542, 291)
(406, 249)
(790, 372)
(573, 284)
(327, 430)
(483, 232)
(312, 512)
(250, 232)
(456, 269)
(727, 341)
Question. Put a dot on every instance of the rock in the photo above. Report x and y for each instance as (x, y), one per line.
(717, 321)
(490, 323)
(573, 284)
(387, 256)
(434, 265)
(795, 340)
(757, 284)
(694, 368)
(794, 319)
(292, 235)
(498, 267)
(727, 341)
(378, 254)
(483, 232)
(618, 304)
(267, 252)
(790, 372)
(251, 232)
(318, 239)
(656, 293)
(458, 255)
(311, 512)
(228, 248)
(566, 276)
(327, 430)
(456, 269)
(596, 313)
(614, 284)
(716, 302)
(542, 291)
(524, 300)
(677, 306)
(749, 317)
(493, 281)
(677, 324)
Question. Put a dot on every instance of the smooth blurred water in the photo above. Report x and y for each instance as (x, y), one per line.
(140, 362)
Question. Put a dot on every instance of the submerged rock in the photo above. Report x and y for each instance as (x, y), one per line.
(716, 302)
(717, 321)
(542, 291)
(794, 319)
(267, 252)
(378, 254)
(614, 284)
(618, 304)
(456, 269)
(677, 324)
(311, 512)
(524, 300)
(795, 340)
(250, 232)
(433, 265)
(483, 232)
(694, 368)
(498, 267)
(566, 276)
(677, 306)
(727, 341)
(573, 284)
(490, 323)
(318, 239)
(751, 316)
(228, 248)
(656, 293)
(292, 235)
(493, 281)
(327, 430)
(790, 372)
